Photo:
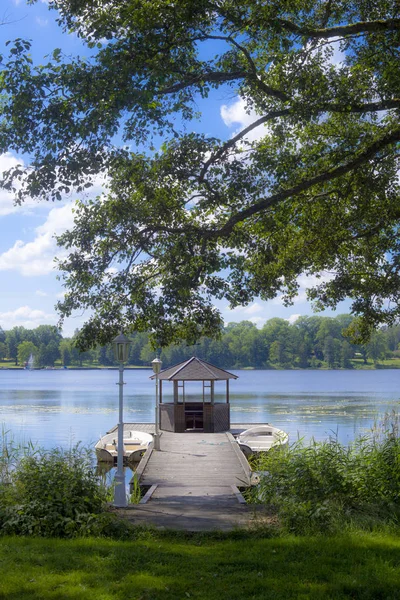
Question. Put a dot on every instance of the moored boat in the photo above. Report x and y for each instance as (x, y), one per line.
(135, 445)
(261, 439)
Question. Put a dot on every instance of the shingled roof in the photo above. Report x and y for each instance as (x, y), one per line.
(194, 369)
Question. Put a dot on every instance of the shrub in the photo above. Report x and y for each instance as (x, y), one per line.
(53, 493)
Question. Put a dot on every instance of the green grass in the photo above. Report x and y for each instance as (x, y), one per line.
(9, 364)
(169, 567)
(390, 363)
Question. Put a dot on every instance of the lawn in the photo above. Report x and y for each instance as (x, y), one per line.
(240, 566)
(390, 363)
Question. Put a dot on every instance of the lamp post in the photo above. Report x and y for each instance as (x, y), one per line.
(157, 364)
(121, 348)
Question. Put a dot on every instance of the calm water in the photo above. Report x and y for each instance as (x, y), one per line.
(57, 408)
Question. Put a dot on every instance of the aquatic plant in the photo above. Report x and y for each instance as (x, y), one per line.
(328, 485)
(136, 494)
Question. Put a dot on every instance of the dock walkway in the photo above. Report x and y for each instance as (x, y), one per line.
(194, 481)
(196, 460)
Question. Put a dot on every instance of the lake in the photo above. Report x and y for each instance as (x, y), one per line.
(61, 407)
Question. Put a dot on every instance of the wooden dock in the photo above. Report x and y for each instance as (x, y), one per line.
(198, 460)
(193, 482)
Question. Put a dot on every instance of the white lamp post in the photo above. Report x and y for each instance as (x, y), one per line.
(157, 364)
(121, 348)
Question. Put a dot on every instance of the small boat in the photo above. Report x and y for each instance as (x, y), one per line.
(135, 445)
(261, 439)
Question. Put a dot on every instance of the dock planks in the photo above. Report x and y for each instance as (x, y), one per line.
(193, 482)
(197, 460)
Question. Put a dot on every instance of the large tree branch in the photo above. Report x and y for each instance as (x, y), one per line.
(221, 77)
(269, 117)
(324, 177)
(256, 77)
(345, 108)
(217, 77)
(363, 107)
(351, 29)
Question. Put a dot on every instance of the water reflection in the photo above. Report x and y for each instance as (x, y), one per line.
(64, 407)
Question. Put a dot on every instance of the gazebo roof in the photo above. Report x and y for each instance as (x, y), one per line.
(195, 369)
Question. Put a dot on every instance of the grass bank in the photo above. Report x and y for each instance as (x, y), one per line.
(389, 363)
(161, 565)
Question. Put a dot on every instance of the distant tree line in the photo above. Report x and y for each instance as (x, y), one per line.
(310, 342)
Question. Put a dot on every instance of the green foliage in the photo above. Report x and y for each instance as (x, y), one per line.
(326, 485)
(136, 494)
(310, 187)
(25, 349)
(53, 493)
(310, 342)
(43, 342)
(10, 455)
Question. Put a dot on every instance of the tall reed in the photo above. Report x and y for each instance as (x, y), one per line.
(326, 485)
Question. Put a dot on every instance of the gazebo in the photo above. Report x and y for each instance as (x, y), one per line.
(203, 413)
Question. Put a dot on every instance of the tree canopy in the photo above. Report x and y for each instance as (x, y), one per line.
(310, 186)
(315, 342)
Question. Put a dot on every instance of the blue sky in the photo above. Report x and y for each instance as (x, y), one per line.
(29, 288)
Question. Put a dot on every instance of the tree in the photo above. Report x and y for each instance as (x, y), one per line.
(309, 186)
(346, 354)
(3, 350)
(280, 341)
(65, 347)
(377, 346)
(106, 355)
(14, 337)
(45, 334)
(48, 354)
(25, 349)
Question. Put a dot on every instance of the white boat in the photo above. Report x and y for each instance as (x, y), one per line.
(261, 439)
(135, 445)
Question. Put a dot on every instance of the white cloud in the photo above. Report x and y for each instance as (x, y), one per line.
(305, 282)
(7, 206)
(237, 114)
(253, 308)
(40, 293)
(42, 22)
(246, 310)
(293, 318)
(37, 258)
(338, 57)
(258, 321)
(58, 220)
(27, 317)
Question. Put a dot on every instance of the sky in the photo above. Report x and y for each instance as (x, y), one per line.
(29, 288)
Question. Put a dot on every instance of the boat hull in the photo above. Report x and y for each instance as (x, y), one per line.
(261, 439)
(135, 445)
